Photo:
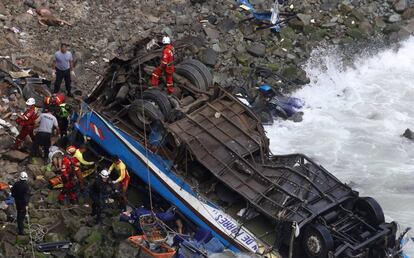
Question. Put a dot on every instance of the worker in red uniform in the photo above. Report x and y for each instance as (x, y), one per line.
(76, 163)
(122, 179)
(27, 122)
(166, 66)
(69, 171)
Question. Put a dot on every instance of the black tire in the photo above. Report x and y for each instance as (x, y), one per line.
(369, 208)
(317, 241)
(141, 107)
(203, 69)
(192, 74)
(36, 91)
(160, 99)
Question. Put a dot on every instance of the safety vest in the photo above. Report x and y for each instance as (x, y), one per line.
(64, 110)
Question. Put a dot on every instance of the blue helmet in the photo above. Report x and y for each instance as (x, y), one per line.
(265, 88)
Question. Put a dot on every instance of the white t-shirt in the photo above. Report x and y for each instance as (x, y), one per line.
(47, 122)
(53, 150)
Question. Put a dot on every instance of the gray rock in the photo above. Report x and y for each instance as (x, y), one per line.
(15, 155)
(211, 33)
(256, 49)
(3, 216)
(401, 5)
(394, 18)
(366, 27)
(226, 25)
(167, 30)
(408, 134)
(75, 250)
(122, 230)
(209, 57)
(81, 234)
(182, 20)
(305, 18)
(126, 250)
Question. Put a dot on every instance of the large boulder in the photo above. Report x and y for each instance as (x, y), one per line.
(257, 49)
(15, 155)
(122, 230)
(401, 5)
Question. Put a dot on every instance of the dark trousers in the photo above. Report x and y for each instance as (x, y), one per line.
(62, 75)
(41, 139)
(63, 123)
(97, 206)
(21, 214)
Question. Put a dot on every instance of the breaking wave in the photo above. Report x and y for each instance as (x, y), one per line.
(353, 121)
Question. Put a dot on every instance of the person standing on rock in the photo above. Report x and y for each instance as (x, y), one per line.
(122, 179)
(63, 65)
(47, 122)
(100, 192)
(21, 194)
(166, 66)
(27, 122)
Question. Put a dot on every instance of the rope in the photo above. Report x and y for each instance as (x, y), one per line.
(146, 144)
(30, 234)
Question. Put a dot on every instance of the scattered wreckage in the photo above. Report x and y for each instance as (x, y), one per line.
(207, 154)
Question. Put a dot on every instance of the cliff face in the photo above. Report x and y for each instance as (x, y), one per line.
(101, 29)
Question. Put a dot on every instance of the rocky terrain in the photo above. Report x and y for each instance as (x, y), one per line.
(102, 29)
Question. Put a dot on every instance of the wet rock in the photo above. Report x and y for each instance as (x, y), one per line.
(81, 234)
(91, 251)
(394, 18)
(256, 49)
(366, 28)
(296, 74)
(209, 57)
(122, 230)
(95, 237)
(401, 5)
(15, 155)
(408, 134)
(126, 250)
(355, 33)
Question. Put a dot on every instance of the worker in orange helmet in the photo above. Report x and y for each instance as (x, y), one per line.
(166, 66)
(122, 179)
(76, 163)
(69, 172)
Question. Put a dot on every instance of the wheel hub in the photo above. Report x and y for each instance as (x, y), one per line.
(314, 244)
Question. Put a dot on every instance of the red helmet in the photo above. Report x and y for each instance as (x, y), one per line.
(71, 149)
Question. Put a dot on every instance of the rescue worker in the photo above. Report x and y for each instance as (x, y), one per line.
(166, 66)
(260, 104)
(21, 194)
(122, 179)
(62, 114)
(78, 154)
(68, 174)
(47, 122)
(54, 100)
(100, 192)
(27, 122)
(76, 164)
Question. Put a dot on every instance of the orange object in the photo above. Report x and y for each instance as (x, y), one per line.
(3, 186)
(56, 182)
(163, 250)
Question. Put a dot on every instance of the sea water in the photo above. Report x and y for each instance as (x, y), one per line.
(353, 121)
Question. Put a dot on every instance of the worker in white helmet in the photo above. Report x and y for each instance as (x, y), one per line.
(166, 66)
(27, 122)
(21, 194)
(100, 192)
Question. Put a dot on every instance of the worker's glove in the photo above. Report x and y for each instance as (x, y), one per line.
(73, 73)
(113, 182)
